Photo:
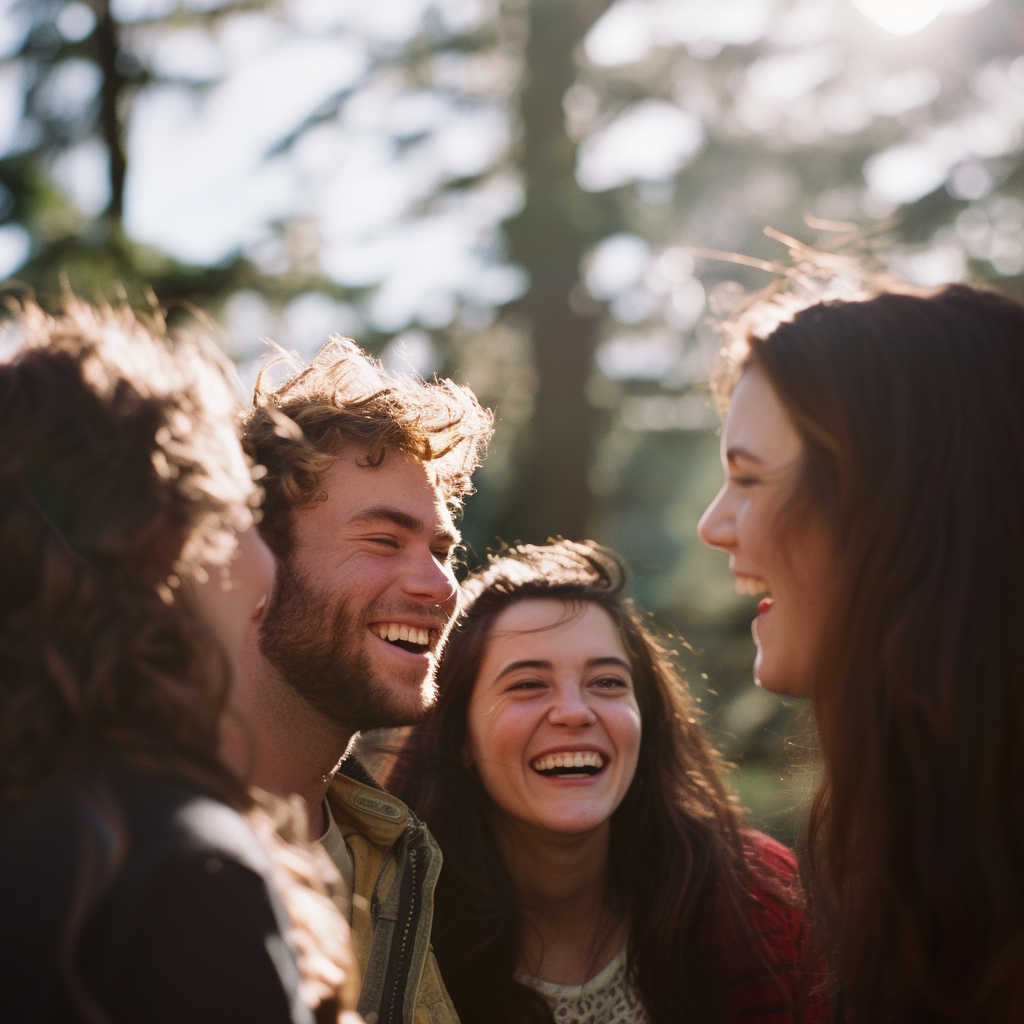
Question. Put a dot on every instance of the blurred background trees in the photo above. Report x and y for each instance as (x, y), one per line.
(509, 193)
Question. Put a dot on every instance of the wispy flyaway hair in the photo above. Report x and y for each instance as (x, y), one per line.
(344, 397)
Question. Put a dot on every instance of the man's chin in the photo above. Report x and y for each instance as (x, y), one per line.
(392, 715)
(345, 672)
(395, 705)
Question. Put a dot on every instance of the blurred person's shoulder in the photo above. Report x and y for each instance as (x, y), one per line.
(137, 817)
(129, 822)
(171, 818)
(150, 868)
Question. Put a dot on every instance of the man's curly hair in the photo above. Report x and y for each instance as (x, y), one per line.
(297, 429)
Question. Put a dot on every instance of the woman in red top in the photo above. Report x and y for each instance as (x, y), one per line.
(874, 454)
(595, 869)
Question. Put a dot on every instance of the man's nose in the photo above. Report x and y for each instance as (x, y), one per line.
(432, 581)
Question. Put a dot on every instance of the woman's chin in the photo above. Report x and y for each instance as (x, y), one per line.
(577, 829)
(770, 677)
(569, 822)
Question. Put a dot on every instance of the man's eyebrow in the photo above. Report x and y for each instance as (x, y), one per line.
(739, 452)
(404, 521)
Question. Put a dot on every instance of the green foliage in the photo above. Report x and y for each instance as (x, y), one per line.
(801, 115)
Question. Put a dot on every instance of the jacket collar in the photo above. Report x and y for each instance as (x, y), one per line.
(352, 768)
(357, 800)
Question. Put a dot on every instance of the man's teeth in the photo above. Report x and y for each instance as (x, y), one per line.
(569, 759)
(751, 585)
(400, 631)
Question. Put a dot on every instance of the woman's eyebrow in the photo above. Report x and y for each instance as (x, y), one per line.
(611, 660)
(739, 452)
(514, 666)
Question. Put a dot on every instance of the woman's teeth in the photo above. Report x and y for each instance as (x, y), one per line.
(589, 760)
(398, 631)
(751, 585)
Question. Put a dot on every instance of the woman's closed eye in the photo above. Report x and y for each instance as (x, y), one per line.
(525, 685)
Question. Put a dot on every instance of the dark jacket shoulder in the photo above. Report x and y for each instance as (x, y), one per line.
(173, 891)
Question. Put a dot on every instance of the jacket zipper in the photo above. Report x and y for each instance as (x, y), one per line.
(403, 950)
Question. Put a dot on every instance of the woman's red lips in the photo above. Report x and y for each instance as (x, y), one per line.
(763, 605)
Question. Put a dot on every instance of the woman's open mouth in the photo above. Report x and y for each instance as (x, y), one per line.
(752, 585)
(569, 764)
(764, 606)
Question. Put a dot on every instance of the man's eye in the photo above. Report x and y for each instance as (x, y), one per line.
(388, 542)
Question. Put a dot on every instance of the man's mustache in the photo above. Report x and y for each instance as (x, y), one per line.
(436, 616)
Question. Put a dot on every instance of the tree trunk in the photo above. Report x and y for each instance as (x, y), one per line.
(558, 222)
(108, 47)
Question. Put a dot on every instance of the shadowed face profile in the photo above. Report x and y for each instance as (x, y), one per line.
(232, 595)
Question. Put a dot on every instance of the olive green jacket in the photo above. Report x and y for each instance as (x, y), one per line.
(396, 863)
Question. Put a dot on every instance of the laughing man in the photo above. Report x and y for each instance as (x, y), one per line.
(365, 473)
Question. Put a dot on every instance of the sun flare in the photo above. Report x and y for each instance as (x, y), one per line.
(901, 17)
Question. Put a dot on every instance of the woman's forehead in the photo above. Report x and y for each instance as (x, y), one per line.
(542, 613)
(758, 426)
(551, 623)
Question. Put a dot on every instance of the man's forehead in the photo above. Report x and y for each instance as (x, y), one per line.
(399, 486)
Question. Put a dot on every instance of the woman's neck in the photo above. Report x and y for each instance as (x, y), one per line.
(569, 930)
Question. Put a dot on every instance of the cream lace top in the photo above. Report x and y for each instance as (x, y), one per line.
(607, 998)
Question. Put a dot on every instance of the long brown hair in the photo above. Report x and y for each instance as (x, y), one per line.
(121, 475)
(678, 869)
(911, 408)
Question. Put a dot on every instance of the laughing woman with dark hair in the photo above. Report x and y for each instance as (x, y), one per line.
(595, 868)
(874, 455)
(132, 887)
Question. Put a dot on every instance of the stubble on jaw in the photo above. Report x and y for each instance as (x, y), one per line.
(318, 647)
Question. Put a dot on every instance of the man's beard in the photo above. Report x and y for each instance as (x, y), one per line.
(318, 649)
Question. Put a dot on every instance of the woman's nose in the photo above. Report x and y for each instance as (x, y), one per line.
(570, 708)
(717, 527)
